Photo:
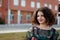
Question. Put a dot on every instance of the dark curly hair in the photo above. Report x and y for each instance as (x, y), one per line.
(48, 14)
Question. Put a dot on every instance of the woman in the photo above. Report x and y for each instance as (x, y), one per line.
(43, 30)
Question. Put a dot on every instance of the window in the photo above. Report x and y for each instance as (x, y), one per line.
(45, 5)
(0, 3)
(38, 4)
(16, 2)
(32, 4)
(58, 13)
(0, 14)
(23, 3)
(28, 16)
(56, 8)
(50, 6)
(59, 18)
(59, 8)
(56, 21)
(12, 16)
(58, 0)
(21, 16)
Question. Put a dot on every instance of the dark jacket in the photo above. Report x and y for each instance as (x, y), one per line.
(39, 34)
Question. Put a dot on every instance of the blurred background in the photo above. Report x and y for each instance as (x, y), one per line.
(15, 16)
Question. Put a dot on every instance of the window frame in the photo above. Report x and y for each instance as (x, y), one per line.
(46, 5)
(23, 3)
(32, 4)
(38, 4)
(16, 2)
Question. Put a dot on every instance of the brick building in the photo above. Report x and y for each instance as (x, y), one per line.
(58, 11)
(20, 11)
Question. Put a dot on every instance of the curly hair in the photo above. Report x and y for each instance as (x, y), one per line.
(48, 14)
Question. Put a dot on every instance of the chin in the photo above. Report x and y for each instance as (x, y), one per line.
(41, 22)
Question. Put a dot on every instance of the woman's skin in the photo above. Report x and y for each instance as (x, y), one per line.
(41, 19)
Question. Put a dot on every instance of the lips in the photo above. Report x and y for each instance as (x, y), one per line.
(41, 20)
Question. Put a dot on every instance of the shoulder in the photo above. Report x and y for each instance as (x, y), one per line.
(29, 33)
(32, 29)
(55, 31)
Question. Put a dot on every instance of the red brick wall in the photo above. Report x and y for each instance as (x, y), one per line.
(25, 9)
(28, 7)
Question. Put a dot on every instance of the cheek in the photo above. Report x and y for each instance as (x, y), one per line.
(38, 18)
(43, 18)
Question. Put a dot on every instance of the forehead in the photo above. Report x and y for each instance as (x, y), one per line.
(40, 13)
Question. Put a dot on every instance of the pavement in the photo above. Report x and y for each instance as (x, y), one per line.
(11, 28)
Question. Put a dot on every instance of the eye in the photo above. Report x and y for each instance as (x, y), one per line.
(37, 15)
(42, 15)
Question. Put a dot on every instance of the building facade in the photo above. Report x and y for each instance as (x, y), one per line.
(58, 11)
(20, 11)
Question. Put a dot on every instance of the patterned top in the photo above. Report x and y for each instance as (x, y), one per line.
(40, 34)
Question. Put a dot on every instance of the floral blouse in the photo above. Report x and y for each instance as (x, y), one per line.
(40, 34)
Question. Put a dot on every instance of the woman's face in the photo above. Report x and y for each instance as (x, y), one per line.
(40, 17)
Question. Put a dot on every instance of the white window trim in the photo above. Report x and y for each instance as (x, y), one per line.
(38, 4)
(46, 5)
(50, 6)
(16, 2)
(32, 4)
(56, 7)
(23, 3)
(58, 0)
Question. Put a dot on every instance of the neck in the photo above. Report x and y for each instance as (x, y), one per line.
(44, 26)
